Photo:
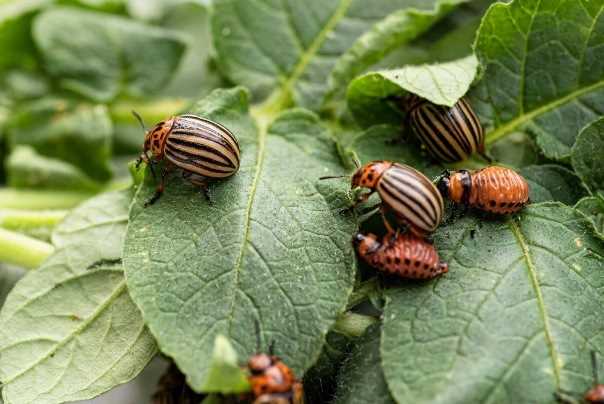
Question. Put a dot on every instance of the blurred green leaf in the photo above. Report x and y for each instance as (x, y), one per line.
(550, 182)
(370, 95)
(224, 374)
(101, 56)
(28, 169)
(587, 155)
(9, 276)
(69, 331)
(516, 150)
(76, 133)
(542, 71)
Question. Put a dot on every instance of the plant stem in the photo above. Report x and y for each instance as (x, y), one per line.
(24, 251)
(14, 219)
(363, 292)
(353, 324)
(36, 200)
(151, 112)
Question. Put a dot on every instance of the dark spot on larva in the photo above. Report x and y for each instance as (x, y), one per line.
(417, 263)
(397, 260)
(492, 203)
(407, 261)
(389, 260)
(503, 204)
(426, 266)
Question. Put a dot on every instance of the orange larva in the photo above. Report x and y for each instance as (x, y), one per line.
(405, 255)
(272, 381)
(493, 189)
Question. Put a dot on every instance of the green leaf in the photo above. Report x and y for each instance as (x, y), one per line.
(28, 169)
(587, 155)
(593, 208)
(69, 331)
(224, 374)
(550, 182)
(79, 134)
(17, 46)
(516, 150)
(101, 56)
(271, 248)
(398, 28)
(312, 37)
(513, 320)
(542, 71)
(443, 84)
(361, 379)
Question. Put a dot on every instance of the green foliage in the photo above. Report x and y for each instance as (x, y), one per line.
(513, 320)
(69, 331)
(198, 270)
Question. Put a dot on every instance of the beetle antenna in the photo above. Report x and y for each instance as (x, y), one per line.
(139, 119)
(356, 162)
(329, 177)
(257, 327)
(594, 367)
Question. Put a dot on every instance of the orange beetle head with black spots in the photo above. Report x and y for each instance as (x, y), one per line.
(368, 175)
(155, 138)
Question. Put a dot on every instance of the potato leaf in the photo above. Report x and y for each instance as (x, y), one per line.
(370, 95)
(593, 208)
(271, 248)
(542, 71)
(361, 379)
(313, 37)
(587, 157)
(69, 331)
(513, 320)
(101, 56)
(551, 182)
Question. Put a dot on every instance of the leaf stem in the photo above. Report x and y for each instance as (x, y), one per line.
(353, 324)
(16, 219)
(363, 292)
(37, 200)
(21, 250)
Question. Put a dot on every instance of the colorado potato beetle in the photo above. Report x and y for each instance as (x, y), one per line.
(202, 149)
(406, 192)
(493, 189)
(404, 255)
(595, 395)
(273, 382)
(449, 133)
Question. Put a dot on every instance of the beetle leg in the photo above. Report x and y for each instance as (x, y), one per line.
(389, 228)
(202, 183)
(160, 188)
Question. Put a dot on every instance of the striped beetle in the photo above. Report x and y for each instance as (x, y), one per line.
(449, 133)
(492, 189)
(201, 148)
(404, 255)
(406, 192)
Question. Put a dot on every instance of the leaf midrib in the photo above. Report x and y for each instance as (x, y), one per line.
(119, 289)
(281, 96)
(532, 273)
(508, 128)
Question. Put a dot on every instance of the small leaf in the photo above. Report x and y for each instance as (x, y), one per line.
(312, 36)
(443, 84)
(28, 169)
(587, 155)
(542, 71)
(69, 331)
(593, 208)
(101, 56)
(512, 321)
(79, 134)
(361, 379)
(224, 374)
(550, 182)
(271, 248)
